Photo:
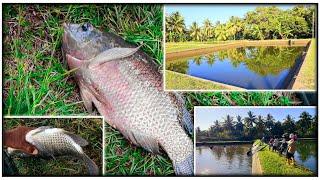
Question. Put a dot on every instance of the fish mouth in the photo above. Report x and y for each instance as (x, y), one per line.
(66, 26)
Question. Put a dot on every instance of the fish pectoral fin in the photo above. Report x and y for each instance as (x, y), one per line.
(79, 140)
(149, 143)
(87, 97)
(112, 54)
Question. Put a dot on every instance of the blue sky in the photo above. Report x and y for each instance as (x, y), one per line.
(206, 116)
(215, 13)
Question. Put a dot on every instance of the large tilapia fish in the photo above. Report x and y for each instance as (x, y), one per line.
(125, 86)
(52, 142)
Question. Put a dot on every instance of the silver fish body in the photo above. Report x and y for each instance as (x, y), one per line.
(52, 142)
(126, 88)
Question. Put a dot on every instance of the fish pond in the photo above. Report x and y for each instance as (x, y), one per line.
(306, 154)
(233, 159)
(264, 67)
(223, 160)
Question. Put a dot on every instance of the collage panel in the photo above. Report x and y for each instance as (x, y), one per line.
(138, 74)
(256, 141)
(53, 146)
(239, 47)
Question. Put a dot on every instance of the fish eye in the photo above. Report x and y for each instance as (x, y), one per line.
(86, 26)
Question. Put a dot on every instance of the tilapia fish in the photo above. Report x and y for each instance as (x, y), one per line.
(52, 142)
(125, 86)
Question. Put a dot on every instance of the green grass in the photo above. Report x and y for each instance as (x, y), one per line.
(89, 129)
(177, 81)
(182, 46)
(275, 165)
(307, 76)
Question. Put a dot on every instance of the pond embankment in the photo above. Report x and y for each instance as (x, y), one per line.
(306, 77)
(269, 163)
(218, 47)
(179, 81)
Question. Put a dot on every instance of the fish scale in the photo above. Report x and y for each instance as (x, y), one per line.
(126, 88)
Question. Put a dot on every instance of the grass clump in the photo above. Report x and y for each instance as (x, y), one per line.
(307, 75)
(274, 164)
(177, 81)
(89, 129)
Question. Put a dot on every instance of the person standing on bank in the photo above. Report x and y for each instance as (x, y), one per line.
(291, 149)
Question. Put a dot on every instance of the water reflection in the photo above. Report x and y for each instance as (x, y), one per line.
(306, 154)
(247, 67)
(223, 160)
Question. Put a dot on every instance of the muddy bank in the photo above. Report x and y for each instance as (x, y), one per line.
(240, 43)
(256, 166)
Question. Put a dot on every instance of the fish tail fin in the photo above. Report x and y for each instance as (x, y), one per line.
(91, 165)
(185, 167)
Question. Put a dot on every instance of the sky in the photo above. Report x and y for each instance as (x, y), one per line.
(206, 116)
(214, 13)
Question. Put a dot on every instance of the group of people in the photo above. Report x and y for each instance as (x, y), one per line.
(285, 145)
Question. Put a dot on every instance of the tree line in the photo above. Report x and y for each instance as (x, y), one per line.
(268, 22)
(253, 127)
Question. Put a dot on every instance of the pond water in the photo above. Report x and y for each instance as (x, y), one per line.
(268, 67)
(223, 160)
(306, 154)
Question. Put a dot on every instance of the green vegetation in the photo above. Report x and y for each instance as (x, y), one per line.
(307, 75)
(275, 165)
(179, 81)
(89, 129)
(268, 22)
(253, 127)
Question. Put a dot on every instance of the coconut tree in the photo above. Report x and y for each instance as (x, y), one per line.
(239, 126)
(220, 32)
(304, 123)
(207, 29)
(228, 125)
(260, 126)
(250, 120)
(288, 125)
(195, 32)
(175, 26)
(269, 123)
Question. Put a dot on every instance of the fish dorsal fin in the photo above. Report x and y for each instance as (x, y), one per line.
(145, 141)
(187, 121)
(79, 140)
(38, 130)
(112, 54)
